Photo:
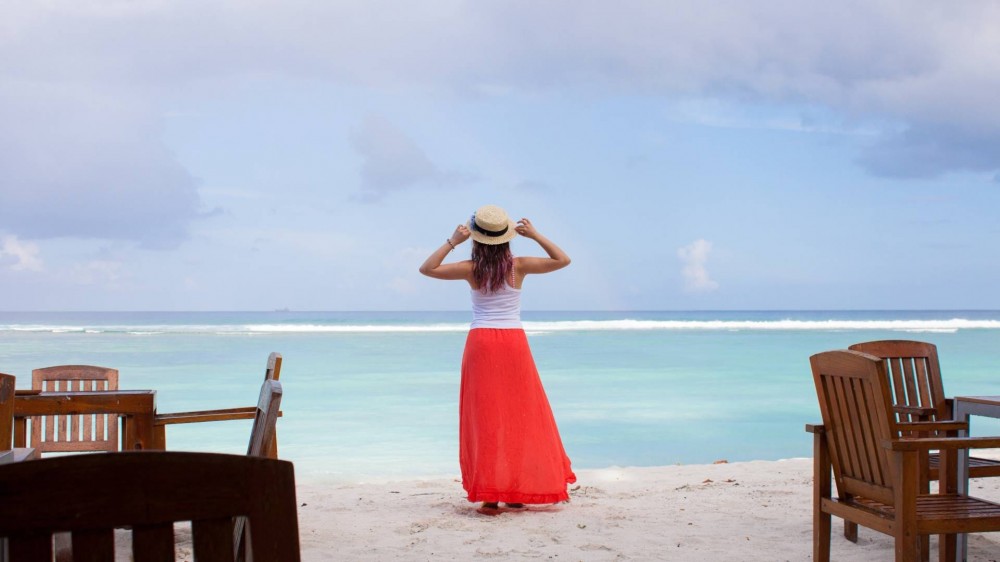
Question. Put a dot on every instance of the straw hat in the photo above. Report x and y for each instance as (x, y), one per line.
(491, 225)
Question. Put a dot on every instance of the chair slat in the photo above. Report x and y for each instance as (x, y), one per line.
(847, 430)
(153, 543)
(873, 469)
(857, 413)
(912, 392)
(213, 539)
(923, 378)
(898, 385)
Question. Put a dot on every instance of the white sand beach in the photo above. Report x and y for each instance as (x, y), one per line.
(748, 511)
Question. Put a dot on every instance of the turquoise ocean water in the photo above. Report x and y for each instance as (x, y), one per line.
(373, 395)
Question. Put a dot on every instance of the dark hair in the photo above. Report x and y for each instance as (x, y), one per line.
(492, 265)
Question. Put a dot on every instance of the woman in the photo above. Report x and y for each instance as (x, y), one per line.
(509, 445)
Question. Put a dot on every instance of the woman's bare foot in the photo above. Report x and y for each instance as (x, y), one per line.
(489, 508)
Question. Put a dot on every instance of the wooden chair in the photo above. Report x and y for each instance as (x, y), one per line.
(876, 470)
(6, 411)
(271, 373)
(148, 492)
(261, 439)
(918, 392)
(74, 433)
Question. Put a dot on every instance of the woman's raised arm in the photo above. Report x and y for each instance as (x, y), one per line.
(557, 259)
(432, 266)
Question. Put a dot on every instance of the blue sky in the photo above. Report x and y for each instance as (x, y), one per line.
(215, 155)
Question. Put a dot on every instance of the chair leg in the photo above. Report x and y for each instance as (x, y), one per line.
(821, 537)
(907, 547)
(947, 548)
(906, 476)
(851, 531)
(822, 487)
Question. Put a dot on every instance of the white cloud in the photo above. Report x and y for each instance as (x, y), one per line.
(101, 69)
(87, 161)
(24, 254)
(392, 161)
(693, 258)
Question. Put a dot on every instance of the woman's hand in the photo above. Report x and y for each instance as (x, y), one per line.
(526, 229)
(460, 235)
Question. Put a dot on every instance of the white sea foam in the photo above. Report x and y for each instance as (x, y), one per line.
(951, 325)
(355, 328)
(536, 327)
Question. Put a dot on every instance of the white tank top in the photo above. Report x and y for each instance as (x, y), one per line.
(501, 309)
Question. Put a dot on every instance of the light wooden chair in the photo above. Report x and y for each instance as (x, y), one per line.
(74, 433)
(918, 392)
(6, 411)
(271, 373)
(148, 492)
(876, 467)
(261, 439)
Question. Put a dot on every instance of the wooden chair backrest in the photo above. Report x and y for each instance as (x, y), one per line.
(273, 371)
(914, 375)
(853, 393)
(76, 433)
(261, 439)
(6, 411)
(149, 491)
(262, 433)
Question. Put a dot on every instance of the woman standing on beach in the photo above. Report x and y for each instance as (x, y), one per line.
(509, 445)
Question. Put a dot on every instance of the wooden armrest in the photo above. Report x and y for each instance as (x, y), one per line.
(923, 444)
(914, 410)
(244, 413)
(26, 392)
(815, 428)
(934, 426)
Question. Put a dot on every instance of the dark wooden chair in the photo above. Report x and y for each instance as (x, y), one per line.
(876, 466)
(271, 373)
(6, 411)
(148, 492)
(918, 392)
(80, 432)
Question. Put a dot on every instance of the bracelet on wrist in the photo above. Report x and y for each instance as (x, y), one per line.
(448, 240)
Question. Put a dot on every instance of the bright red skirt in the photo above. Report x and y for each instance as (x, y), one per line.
(509, 445)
